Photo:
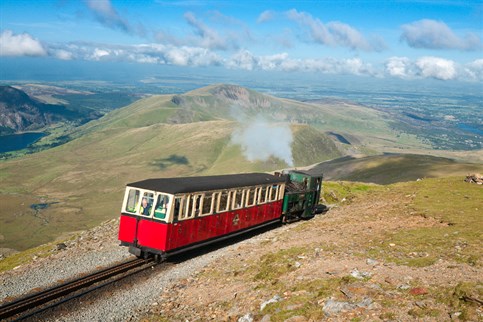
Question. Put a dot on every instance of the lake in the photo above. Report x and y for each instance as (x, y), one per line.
(15, 142)
(471, 128)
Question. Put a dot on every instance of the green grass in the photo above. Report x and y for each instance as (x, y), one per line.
(25, 257)
(273, 265)
(460, 298)
(344, 192)
(456, 235)
(311, 146)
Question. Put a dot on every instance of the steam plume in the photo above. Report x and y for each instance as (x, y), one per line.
(260, 139)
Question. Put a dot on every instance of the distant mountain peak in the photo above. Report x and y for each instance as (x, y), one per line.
(11, 95)
(229, 95)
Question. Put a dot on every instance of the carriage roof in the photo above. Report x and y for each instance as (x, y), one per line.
(207, 183)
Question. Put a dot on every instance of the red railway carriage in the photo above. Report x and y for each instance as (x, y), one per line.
(169, 215)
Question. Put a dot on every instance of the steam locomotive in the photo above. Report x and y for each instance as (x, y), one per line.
(167, 216)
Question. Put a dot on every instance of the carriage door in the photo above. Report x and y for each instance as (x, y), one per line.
(145, 211)
(128, 228)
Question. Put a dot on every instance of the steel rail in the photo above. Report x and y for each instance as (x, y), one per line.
(32, 301)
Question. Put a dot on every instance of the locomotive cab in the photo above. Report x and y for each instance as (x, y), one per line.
(302, 195)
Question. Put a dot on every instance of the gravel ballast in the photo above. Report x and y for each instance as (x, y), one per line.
(95, 249)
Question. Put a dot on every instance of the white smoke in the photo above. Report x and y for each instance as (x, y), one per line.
(261, 139)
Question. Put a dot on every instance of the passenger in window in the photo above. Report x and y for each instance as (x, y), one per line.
(145, 208)
(161, 207)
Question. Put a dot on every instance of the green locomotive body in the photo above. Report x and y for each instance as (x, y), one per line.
(302, 193)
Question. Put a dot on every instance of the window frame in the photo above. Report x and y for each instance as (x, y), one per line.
(254, 197)
(274, 197)
(126, 198)
(186, 208)
(181, 208)
(235, 193)
(151, 211)
(281, 191)
(170, 205)
(218, 202)
(195, 211)
(262, 189)
(203, 198)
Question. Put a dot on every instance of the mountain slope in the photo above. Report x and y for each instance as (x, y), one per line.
(391, 168)
(212, 130)
(81, 182)
(21, 113)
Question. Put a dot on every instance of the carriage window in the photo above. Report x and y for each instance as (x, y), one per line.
(146, 204)
(207, 204)
(273, 193)
(280, 192)
(161, 208)
(179, 208)
(196, 205)
(237, 197)
(223, 200)
(250, 197)
(132, 200)
(262, 197)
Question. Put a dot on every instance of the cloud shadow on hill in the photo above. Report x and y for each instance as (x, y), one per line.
(173, 159)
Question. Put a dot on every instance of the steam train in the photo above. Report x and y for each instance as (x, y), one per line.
(166, 216)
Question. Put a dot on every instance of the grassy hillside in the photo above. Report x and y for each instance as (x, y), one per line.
(391, 168)
(81, 182)
(403, 252)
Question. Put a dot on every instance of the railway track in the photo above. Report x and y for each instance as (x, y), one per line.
(38, 299)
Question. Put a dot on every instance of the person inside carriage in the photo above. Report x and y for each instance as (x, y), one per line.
(161, 207)
(145, 208)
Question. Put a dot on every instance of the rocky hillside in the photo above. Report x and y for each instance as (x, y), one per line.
(20, 112)
(399, 253)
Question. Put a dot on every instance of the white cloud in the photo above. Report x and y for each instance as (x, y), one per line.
(265, 16)
(144, 53)
(435, 67)
(432, 34)
(473, 71)
(424, 67)
(208, 37)
(345, 35)
(99, 53)
(399, 67)
(244, 59)
(204, 36)
(108, 16)
(20, 45)
(63, 54)
(333, 33)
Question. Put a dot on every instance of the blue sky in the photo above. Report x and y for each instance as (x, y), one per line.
(382, 39)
